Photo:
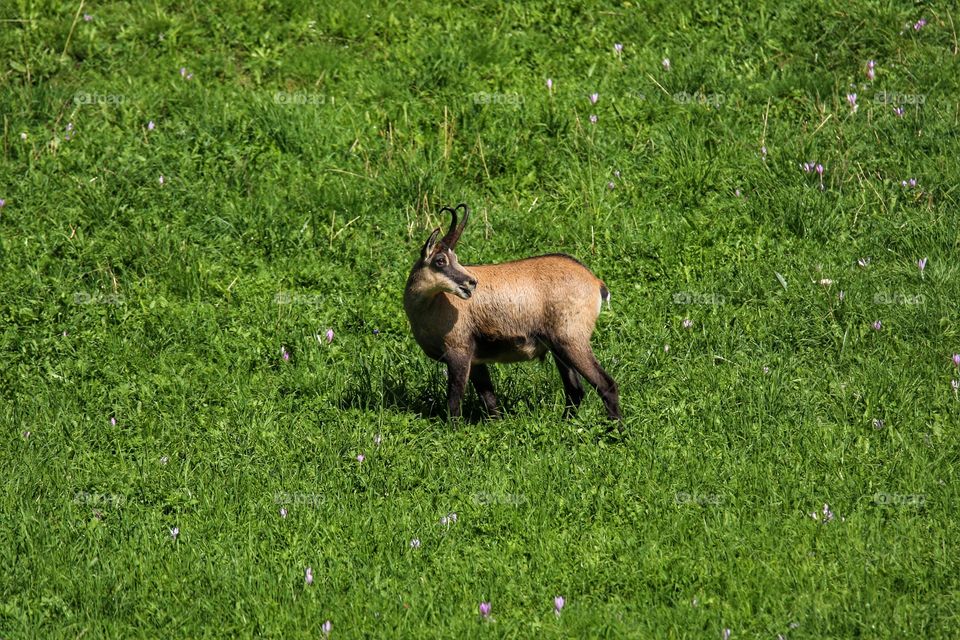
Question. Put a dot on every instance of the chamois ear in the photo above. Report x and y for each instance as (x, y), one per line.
(453, 235)
(431, 242)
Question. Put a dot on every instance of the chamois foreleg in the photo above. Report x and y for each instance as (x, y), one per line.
(480, 377)
(458, 371)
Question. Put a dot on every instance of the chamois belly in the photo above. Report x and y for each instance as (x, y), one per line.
(509, 349)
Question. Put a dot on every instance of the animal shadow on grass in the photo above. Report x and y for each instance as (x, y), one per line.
(426, 397)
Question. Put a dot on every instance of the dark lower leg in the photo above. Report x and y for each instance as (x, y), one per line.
(572, 388)
(457, 373)
(586, 364)
(480, 377)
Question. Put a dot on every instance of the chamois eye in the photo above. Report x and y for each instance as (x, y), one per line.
(441, 261)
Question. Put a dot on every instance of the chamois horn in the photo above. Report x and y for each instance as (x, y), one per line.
(453, 235)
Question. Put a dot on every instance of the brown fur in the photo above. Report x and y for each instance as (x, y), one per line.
(470, 316)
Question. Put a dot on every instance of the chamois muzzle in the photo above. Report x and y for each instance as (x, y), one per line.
(466, 288)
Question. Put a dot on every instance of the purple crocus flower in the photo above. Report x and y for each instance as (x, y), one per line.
(550, 84)
(174, 532)
(920, 24)
(870, 72)
(593, 119)
(827, 514)
(415, 543)
(726, 634)
(485, 609)
(558, 604)
(308, 575)
(361, 457)
(329, 335)
(687, 323)
(852, 99)
(956, 359)
(666, 64)
(899, 111)
(113, 422)
(877, 325)
(763, 152)
(326, 627)
(594, 97)
(912, 182)
(922, 263)
(611, 186)
(284, 353)
(283, 512)
(618, 48)
(161, 179)
(150, 126)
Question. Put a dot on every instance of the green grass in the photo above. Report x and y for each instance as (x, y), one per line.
(303, 166)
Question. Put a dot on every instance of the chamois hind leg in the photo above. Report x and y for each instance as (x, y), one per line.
(480, 377)
(582, 359)
(572, 388)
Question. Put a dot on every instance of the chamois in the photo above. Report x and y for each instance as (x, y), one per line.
(470, 316)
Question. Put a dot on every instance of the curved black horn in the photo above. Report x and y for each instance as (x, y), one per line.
(453, 235)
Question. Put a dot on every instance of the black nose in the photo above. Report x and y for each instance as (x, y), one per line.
(472, 282)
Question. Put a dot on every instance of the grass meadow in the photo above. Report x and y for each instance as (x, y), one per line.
(194, 195)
